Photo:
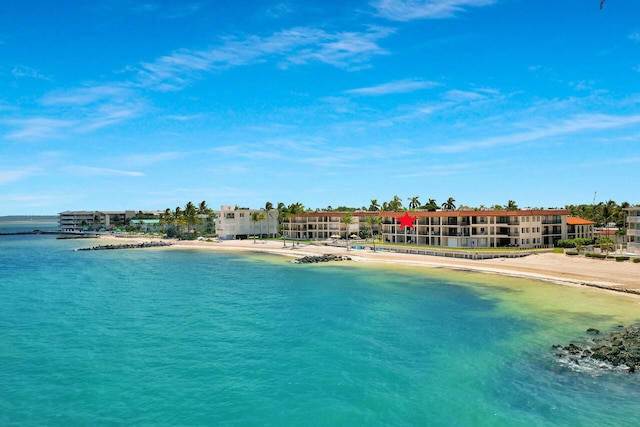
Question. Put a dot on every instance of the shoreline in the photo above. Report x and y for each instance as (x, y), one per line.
(623, 278)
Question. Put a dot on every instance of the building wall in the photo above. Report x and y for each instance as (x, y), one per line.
(633, 230)
(467, 229)
(93, 220)
(232, 223)
(580, 231)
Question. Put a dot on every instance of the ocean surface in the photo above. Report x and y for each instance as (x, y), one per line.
(185, 337)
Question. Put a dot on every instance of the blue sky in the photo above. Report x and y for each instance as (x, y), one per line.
(127, 104)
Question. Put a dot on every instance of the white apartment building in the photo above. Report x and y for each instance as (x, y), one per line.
(235, 223)
(633, 229)
(77, 221)
(463, 229)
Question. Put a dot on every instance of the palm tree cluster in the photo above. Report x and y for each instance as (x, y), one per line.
(395, 205)
(183, 221)
(602, 213)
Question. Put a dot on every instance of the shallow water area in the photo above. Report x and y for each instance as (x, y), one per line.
(192, 337)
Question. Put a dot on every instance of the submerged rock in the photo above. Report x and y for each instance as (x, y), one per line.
(311, 259)
(127, 246)
(621, 348)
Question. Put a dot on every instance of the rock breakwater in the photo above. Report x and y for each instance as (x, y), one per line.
(620, 348)
(311, 259)
(126, 246)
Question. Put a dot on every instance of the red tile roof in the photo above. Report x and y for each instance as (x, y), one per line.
(579, 221)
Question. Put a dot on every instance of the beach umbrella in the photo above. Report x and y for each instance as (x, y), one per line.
(335, 236)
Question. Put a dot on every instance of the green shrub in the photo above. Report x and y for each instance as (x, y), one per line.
(622, 258)
(571, 253)
(636, 260)
(599, 256)
(572, 243)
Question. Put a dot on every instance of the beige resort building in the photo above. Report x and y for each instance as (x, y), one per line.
(579, 228)
(462, 229)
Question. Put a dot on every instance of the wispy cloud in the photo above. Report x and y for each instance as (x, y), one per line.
(448, 169)
(87, 95)
(401, 86)
(23, 71)
(635, 36)
(8, 176)
(408, 10)
(295, 46)
(38, 127)
(153, 158)
(579, 123)
(460, 96)
(182, 11)
(98, 171)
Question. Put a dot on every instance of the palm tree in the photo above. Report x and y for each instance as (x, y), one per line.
(378, 222)
(431, 206)
(371, 221)
(190, 216)
(205, 211)
(608, 210)
(449, 204)
(395, 205)
(348, 220)
(178, 219)
(374, 206)
(511, 206)
(256, 217)
(413, 202)
(267, 207)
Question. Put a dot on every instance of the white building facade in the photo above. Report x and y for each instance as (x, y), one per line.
(236, 223)
(78, 221)
(633, 229)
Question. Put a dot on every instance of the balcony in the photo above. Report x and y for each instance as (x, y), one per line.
(552, 221)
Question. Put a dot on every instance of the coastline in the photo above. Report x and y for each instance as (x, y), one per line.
(623, 278)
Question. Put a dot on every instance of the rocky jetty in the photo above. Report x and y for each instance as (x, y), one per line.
(311, 259)
(620, 348)
(127, 246)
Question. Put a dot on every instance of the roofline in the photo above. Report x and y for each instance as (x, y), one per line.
(428, 214)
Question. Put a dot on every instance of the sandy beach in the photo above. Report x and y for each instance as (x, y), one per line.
(609, 275)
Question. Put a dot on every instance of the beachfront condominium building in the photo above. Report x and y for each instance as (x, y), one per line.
(579, 228)
(78, 221)
(236, 223)
(633, 229)
(462, 229)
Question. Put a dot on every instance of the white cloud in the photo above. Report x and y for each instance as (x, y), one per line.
(24, 71)
(87, 95)
(459, 96)
(401, 86)
(408, 10)
(95, 171)
(295, 46)
(635, 36)
(8, 176)
(38, 128)
(579, 123)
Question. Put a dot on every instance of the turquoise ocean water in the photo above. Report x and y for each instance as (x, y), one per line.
(189, 337)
